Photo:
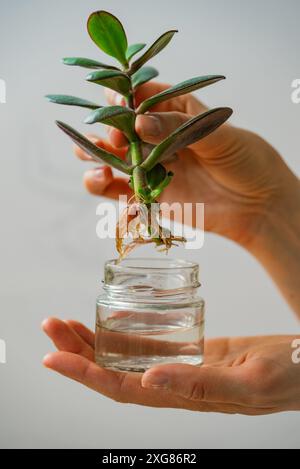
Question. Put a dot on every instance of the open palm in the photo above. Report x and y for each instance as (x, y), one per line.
(251, 376)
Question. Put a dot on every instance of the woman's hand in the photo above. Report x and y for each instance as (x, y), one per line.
(250, 194)
(234, 172)
(252, 375)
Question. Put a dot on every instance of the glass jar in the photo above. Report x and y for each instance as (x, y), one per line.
(148, 314)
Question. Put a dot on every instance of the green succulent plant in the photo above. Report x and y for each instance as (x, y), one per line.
(144, 166)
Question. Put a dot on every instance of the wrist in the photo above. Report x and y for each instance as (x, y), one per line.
(276, 244)
(280, 222)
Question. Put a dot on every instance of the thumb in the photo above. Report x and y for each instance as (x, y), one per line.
(155, 127)
(209, 384)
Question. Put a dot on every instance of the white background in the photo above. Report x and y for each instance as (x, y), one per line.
(52, 262)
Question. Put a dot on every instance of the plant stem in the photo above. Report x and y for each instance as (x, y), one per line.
(136, 152)
(139, 182)
(139, 174)
(130, 100)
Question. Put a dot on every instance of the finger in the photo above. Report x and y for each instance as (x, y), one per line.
(86, 334)
(205, 384)
(143, 92)
(102, 182)
(155, 127)
(186, 103)
(117, 138)
(220, 142)
(126, 387)
(114, 98)
(147, 90)
(82, 155)
(120, 386)
(96, 180)
(150, 89)
(101, 143)
(66, 339)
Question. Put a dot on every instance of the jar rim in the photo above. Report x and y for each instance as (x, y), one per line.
(156, 277)
(151, 264)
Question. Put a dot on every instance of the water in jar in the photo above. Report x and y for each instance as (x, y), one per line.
(136, 340)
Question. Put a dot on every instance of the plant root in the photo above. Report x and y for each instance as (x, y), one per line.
(139, 224)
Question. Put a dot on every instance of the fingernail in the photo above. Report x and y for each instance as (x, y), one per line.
(98, 174)
(110, 130)
(80, 153)
(155, 380)
(44, 322)
(46, 360)
(119, 99)
(94, 139)
(149, 126)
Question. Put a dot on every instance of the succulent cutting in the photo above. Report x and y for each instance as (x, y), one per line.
(144, 164)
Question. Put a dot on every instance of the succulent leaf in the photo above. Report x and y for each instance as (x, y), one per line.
(134, 49)
(108, 34)
(87, 63)
(115, 80)
(182, 88)
(161, 187)
(156, 175)
(153, 50)
(98, 154)
(143, 75)
(120, 117)
(71, 101)
(187, 134)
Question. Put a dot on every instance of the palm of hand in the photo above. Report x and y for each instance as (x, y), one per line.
(244, 375)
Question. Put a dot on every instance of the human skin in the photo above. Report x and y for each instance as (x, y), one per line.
(252, 198)
(250, 375)
(250, 194)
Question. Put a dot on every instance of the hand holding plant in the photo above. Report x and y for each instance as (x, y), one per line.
(251, 197)
(148, 176)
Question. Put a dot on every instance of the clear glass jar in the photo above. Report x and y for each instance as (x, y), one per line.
(148, 314)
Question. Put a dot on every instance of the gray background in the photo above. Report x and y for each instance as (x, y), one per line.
(51, 260)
